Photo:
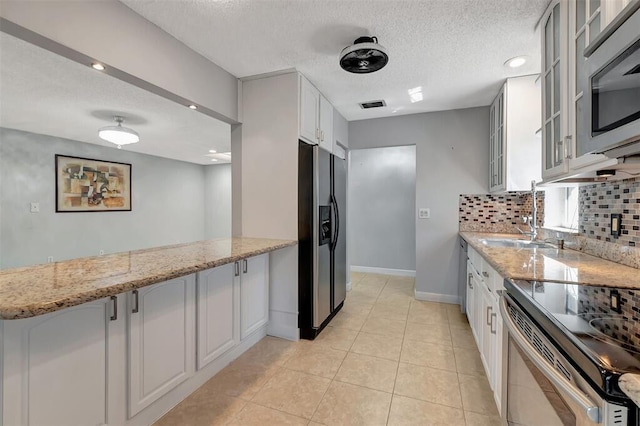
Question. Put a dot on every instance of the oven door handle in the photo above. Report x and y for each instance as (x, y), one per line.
(585, 403)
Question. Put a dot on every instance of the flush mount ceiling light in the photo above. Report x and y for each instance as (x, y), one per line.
(415, 94)
(117, 134)
(97, 66)
(516, 62)
(192, 106)
(364, 56)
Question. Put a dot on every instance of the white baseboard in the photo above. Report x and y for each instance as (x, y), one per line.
(385, 271)
(436, 297)
(283, 325)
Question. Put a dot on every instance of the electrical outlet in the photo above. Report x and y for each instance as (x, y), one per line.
(34, 207)
(614, 301)
(50, 259)
(101, 252)
(424, 213)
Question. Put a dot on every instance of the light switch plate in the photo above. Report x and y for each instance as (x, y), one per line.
(424, 213)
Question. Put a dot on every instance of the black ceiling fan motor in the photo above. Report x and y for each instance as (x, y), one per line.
(364, 56)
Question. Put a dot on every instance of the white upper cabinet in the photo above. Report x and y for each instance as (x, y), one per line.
(326, 124)
(554, 90)
(513, 147)
(568, 27)
(340, 135)
(309, 112)
(316, 116)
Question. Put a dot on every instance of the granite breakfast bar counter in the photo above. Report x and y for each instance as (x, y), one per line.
(123, 338)
(36, 290)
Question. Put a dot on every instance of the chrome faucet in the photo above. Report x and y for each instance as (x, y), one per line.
(532, 220)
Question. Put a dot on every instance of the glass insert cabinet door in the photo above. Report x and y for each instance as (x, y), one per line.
(554, 89)
(584, 25)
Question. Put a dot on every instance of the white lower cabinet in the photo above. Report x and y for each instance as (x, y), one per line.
(56, 367)
(484, 318)
(254, 294)
(161, 340)
(218, 319)
(128, 359)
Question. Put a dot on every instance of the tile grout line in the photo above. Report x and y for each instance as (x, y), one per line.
(395, 379)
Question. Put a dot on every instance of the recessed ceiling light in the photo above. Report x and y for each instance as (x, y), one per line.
(192, 106)
(213, 151)
(516, 62)
(97, 66)
(213, 159)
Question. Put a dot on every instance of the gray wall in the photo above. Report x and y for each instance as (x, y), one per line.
(168, 203)
(217, 202)
(382, 196)
(452, 151)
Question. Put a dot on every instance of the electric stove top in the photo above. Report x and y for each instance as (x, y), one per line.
(602, 341)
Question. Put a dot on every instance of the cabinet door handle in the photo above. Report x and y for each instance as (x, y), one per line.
(493, 330)
(567, 147)
(489, 309)
(469, 281)
(245, 266)
(114, 316)
(237, 267)
(317, 134)
(134, 293)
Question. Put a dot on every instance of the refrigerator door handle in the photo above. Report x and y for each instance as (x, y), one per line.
(334, 222)
(337, 229)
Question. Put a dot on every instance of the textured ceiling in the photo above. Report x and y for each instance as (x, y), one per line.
(44, 93)
(453, 49)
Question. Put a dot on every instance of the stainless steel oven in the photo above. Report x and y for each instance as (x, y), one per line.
(613, 88)
(542, 385)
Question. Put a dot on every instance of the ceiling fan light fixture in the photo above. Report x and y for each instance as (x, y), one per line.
(118, 134)
(364, 56)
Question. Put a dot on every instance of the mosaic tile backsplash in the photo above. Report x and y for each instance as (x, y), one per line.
(497, 213)
(598, 202)
(595, 300)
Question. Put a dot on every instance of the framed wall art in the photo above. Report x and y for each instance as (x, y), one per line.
(88, 185)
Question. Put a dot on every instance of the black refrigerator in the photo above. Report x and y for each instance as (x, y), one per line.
(322, 243)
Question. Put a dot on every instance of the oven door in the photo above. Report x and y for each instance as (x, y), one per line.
(542, 387)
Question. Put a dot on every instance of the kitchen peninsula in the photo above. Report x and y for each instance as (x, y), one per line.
(122, 338)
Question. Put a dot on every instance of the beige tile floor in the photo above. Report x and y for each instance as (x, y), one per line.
(385, 359)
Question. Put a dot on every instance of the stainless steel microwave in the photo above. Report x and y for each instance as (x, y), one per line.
(612, 91)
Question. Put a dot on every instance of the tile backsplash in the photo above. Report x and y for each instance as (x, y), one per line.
(599, 201)
(595, 300)
(497, 212)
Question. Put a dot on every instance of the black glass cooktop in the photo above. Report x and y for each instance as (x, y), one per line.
(601, 341)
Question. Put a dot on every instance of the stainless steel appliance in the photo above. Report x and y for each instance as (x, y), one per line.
(322, 247)
(565, 353)
(612, 89)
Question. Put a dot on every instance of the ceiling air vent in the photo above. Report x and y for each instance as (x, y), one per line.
(373, 104)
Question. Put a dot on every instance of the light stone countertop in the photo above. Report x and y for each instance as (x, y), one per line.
(550, 264)
(36, 290)
(630, 384)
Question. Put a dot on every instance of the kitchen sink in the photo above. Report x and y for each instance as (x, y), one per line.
(520, 244)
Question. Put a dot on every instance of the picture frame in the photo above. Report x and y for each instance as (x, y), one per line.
(91, 185)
